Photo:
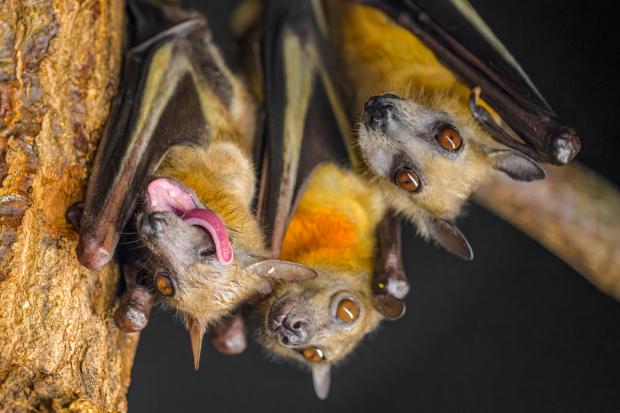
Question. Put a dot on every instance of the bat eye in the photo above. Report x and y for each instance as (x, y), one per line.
(449, 139)
(205, 253)
(407, 180)
(164, 285)
(313, 354)
(347, 310)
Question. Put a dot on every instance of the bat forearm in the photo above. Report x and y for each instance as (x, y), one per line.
(389, 273)
(574, 213)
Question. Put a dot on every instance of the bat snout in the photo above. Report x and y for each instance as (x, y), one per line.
(153, 224)
(379, 110)
(290, 329)
(293, 331)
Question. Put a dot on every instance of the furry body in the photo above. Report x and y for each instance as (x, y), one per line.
(378, 56)
(333, 230)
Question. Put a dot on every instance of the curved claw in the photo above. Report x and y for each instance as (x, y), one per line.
(496, 131)
(134, 310)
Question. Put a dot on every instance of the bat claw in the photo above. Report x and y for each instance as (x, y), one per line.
(134, 310)
(497, 132)
(92, 254)
(73, 215)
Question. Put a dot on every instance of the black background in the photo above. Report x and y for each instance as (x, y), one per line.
(515, 330)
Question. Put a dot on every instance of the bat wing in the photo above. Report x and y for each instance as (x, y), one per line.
(168, 81)
(462, 42)
(305, 123)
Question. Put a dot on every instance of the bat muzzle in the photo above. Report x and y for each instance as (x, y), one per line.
(379, 111)
(290, 329)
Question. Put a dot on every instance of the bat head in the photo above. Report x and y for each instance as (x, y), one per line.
(319, 322)
(428, 156)
(202, 267)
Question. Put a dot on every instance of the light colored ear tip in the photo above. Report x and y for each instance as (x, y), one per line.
(321, 390)
(322, 396)
(321, 379)
(282, 270)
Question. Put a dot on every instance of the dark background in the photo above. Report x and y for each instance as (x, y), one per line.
(515, 330)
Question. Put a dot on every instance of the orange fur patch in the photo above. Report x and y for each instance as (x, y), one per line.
(335, 221)
(314, 238)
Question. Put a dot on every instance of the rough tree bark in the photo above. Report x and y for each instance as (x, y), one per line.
(59, 68)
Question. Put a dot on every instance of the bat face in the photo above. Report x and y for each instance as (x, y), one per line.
(204, 241)
(428, 156)
(321, 320)
(431, 158)
(179, 227)
(193, 249)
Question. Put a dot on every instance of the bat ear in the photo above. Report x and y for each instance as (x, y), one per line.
(196, 330)
(321, 379)
(275, 269)
(517, 166)
(390, 307)
(447, 235)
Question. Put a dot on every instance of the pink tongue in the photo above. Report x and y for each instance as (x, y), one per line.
(210, 221)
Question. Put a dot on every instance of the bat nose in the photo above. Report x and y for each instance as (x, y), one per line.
(294, 331)
(378, 109)
(153, 223)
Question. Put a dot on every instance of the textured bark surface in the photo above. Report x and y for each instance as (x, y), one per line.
(574, 213)
(59, 68)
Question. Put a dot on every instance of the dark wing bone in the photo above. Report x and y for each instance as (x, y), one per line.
(161, 104)
(461, 40)
(305, 123)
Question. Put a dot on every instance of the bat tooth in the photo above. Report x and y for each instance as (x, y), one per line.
(196, 332)
(172, 194)
(153, 203)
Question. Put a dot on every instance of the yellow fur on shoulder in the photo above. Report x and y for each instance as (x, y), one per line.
(388, 57)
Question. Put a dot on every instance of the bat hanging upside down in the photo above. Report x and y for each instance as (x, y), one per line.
(183, 130)
(326, 215)
(427, 139)
(334, 230)
(425, 152)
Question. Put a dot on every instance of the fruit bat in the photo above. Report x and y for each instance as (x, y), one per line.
(177, 155)
(324, 214)
(443, 104)
(518, 119)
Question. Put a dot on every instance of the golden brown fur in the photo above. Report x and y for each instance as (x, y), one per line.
(222, 176)
(333, 230)
(450, 181)
(223, 179)
(378, 56)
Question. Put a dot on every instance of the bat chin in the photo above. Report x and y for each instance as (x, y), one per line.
(169, 195)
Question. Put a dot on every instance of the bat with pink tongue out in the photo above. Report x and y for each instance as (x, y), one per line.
(164, 194)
